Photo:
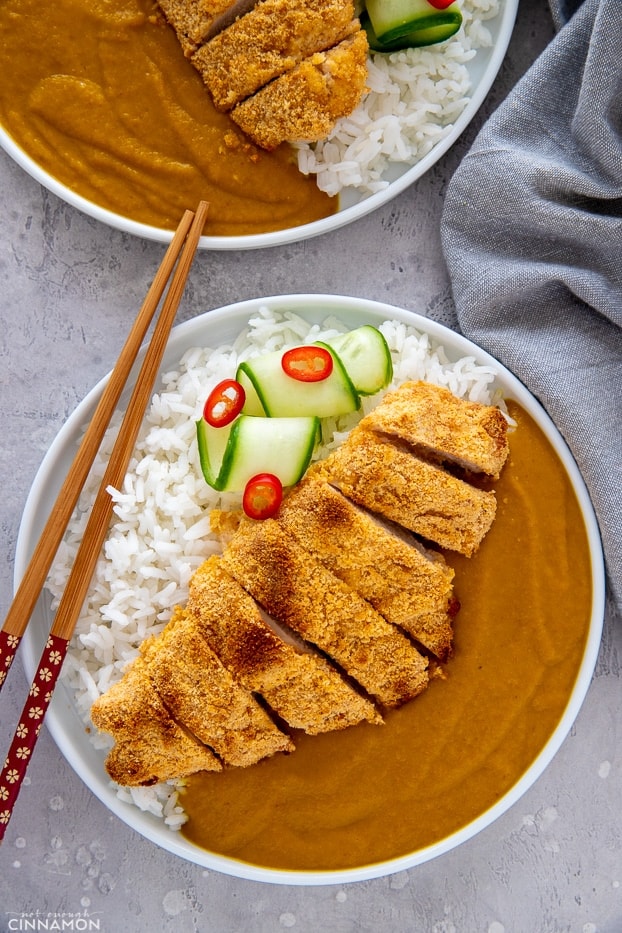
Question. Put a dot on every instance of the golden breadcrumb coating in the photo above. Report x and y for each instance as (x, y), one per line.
(300, 686)
(149, 745)
(202, 695)
(194, 21)
(421, 496)
(438, 424)
(305, 103)
(270, 40)
(408, 585)
(300, 592)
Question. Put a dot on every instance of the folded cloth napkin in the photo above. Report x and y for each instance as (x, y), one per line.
(532, 238)
(562, 10)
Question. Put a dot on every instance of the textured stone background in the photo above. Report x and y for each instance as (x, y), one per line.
(68, 290)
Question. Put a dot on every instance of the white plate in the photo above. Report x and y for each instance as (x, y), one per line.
(483, 70)
(213, 329)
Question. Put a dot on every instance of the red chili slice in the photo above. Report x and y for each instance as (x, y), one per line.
(440, 4)
(224, 403)
(307, 363)
(263, 495)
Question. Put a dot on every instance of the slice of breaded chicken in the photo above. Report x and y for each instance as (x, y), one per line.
(149, 745)
(202, 695)
(270, 40)
(438, 424)
(196, 21)
(407, 584)
(305, 103)
(387, 478)
(297, 590)
(300, 686)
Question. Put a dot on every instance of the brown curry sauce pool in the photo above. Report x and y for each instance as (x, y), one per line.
(371, 793)
(98, 93)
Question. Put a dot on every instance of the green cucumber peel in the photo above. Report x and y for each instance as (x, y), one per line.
(230, 456)
(392, 25)
(212, 456)
(365, 355)
(255, 403)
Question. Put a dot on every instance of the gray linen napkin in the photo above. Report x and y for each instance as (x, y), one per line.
(562, 10)
(532, 238)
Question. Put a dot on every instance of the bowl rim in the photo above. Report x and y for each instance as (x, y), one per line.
(89, 769)
(484, 76)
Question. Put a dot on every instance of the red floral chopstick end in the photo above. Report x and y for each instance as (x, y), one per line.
(29, 726)
(8, 648)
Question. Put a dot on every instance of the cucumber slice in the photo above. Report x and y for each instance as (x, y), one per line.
(399, 24)
(230, 456)
(366, 358)
(271, 392)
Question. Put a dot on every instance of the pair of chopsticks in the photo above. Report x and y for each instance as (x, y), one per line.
(178, 257)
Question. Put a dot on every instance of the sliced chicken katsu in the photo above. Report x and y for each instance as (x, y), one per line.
(297, 590)
(306, 102)
(196, 21)
(270, 40)
(387, 478)
(149, 745)
(409, 585)
(438, 424)
(202, 695)
(300, 686)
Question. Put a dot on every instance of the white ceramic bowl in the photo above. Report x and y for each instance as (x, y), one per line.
(213, 329)
(483, 70)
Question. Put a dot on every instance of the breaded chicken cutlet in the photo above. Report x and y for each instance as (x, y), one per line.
(298, 684)
(285, 70)
(150, 746)
(438, 425)
(298, 591)
(268, 41)
(203, 696)
(387, 478)
(337, 576)
(305, 103)
(407, 584)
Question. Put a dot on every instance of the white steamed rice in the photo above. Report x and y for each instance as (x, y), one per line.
(160, 531)
(415, 96)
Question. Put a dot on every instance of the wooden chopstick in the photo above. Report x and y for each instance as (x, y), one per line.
(45, 550)
(75, 592)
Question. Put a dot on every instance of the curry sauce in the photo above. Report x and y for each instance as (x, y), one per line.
(370, 793)
(99, 94)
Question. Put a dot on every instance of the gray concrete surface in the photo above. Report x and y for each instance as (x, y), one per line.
(69, 287)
